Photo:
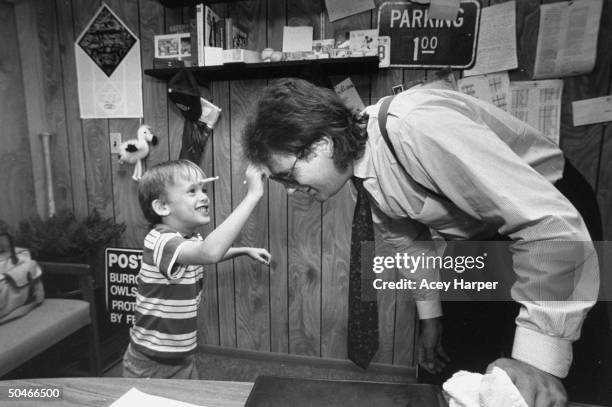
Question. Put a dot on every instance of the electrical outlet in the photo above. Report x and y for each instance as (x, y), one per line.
(115, 142)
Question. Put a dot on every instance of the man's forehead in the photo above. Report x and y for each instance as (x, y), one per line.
(279, 163)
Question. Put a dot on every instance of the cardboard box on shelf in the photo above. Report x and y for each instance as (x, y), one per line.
(213, 56)
(241, 55)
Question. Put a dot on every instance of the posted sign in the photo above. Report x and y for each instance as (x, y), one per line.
(122, 266)
(420, 42)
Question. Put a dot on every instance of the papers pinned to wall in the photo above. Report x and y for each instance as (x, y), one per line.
(589, 111)
(349, 95)
(109, 75)
(444, 9)
(297, 39)
(337, 9)
(493, 88)
(496, 49)
(567, 38)
(364, 42)
(538, 103)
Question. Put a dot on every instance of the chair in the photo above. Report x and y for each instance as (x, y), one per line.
(55, 319)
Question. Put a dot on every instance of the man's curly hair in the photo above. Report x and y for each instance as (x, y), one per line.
(292, 114)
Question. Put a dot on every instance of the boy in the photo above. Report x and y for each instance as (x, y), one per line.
(173, 198)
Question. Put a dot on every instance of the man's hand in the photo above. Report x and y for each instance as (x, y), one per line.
(430, 352)
(538, 388)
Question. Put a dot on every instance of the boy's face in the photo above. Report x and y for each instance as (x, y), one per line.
(187, 204)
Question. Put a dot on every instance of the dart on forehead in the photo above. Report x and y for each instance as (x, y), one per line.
(211, 179)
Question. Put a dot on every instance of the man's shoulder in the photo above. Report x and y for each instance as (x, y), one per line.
(423, 108)
(423, 95)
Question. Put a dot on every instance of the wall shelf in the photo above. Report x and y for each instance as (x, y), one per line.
(189, 3)
(316, 70)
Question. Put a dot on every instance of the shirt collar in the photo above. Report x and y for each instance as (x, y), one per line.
(162, 227)
(364, 167)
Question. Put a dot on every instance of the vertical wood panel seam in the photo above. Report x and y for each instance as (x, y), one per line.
(601, 152)
(269, 272)
(110, 165)
(269, 217)
(168, 107)
(600, 156)
(82, 124)
(232, 203)
(287, 235)
(287, 268)
(212, 146)
(321, 285)
(61, 81)
(215, 220)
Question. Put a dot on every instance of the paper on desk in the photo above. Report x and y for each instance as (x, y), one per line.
(567, 38)
(444, 9)
(297, 39)
(337, 9)
(595, 110)
(134, 397)
(538, 103)
(493, 88)
(497, 40)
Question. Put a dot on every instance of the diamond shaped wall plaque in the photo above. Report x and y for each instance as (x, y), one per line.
(107, 40)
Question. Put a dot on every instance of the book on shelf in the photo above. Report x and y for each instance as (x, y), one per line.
(235, 36)
(322, 48)
(241, 55)
(178, 28)
(220, 40)
(208, 33)
(212, 56)
(163, 63)
(195, 46)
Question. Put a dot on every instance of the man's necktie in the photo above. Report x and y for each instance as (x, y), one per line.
(363, 310)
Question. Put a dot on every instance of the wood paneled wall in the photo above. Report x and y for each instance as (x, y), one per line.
(16, 177)
(299, 304)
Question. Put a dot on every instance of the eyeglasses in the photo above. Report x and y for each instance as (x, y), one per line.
(286, 177)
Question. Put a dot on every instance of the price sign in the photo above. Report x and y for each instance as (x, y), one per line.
(420, 42)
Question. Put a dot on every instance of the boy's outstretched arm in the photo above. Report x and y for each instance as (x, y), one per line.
(217, 243)
(256, 253)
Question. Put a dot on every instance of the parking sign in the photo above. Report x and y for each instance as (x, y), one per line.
(420, 42)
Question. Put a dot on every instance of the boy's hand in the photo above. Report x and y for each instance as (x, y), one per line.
(255, 176)
(261, 255)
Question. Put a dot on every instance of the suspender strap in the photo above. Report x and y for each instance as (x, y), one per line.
(382, 125)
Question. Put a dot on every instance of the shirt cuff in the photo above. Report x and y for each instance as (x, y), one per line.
(429, 309)
(548, 353)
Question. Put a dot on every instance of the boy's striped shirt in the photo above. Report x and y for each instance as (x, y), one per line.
(169, 293)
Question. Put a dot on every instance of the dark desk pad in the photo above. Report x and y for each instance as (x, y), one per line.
(271, 391)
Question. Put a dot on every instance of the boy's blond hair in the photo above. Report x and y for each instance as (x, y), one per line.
(154, 182)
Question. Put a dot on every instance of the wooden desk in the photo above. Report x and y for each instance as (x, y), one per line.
(102, 392)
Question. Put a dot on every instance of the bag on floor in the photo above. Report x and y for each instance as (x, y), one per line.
(21, 287)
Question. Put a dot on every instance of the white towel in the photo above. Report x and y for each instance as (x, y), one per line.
(494, 389)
